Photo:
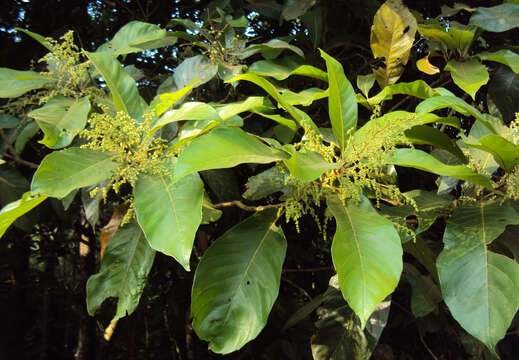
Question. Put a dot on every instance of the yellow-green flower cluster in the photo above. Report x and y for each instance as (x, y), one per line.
(132, 144)
(64, 64)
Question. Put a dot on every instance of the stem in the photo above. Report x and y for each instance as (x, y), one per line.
(14, 156)
(242, 206)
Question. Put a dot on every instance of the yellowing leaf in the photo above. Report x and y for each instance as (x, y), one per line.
(392, 36)
(426, 67)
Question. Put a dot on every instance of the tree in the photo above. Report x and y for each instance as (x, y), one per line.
(400, 186)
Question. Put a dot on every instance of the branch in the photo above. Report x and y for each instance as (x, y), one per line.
(14, 156)
(242, 206)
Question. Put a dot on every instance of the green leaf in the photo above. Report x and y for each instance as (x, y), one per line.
(430, 206)
(91, 204)
(423, 134)
(299, 116)
(123, 88)
(63, 171)
(407, 120)
(271, 49)
(308, 166)
(497, 18)
(8, 121)
(441, 102)
(291, 124)
(126, 263)
(163, 102)
(266, 183)
(14, 210)
(188, 111)
(505, 152)
(365, 83)
(339, 334)
(469, 75)
(421, 160)
(425, 294)
(342, 104)
(418, 88)
(224, 147)
(305, 311)
(237, 282)
(503, 90)
(367, 254)
(503, 56)
(197, 68)
(455, 38)
(60, 119)
(305, 97)
(481, 288)
(137, 36)
(281, 69)
(229, 110)
(294, 9)
(209, 213)
(39, 38)
(169, 212)
(27, 133)
(392, 36)
(14, 83)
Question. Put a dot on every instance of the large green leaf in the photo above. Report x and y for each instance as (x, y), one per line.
(340, 335)
(224, 147)
(421, 160)
(12, 211)
(237, 282)
(268, 182)
(305, 97)
(163, 102)
(469, 75)
(444, 101)
(8, 121)
(481, 288)
(127, 260)
(425, 294)
(342, 104)
(252, 103)
(308, 165)
(417, 88)
(505, 152)
(14, 83)
(270, 50)
(137, 36)
(197, 69)
(423, 134)
(280, 69)
(60, 118)
(188, 111)
(392, 36)
(430, 206)
(299, 116)
(497, 18)
(368, 133)
(63, 171)
(123, 88)
(367, 254)
(169, 212)
(503, 90)
(455, 38)
(39, 38)
(503, 56)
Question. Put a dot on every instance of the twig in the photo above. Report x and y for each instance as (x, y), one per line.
(303, 291)
(14, 155)
(316, 269)
(426, 347)
(242, 206)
